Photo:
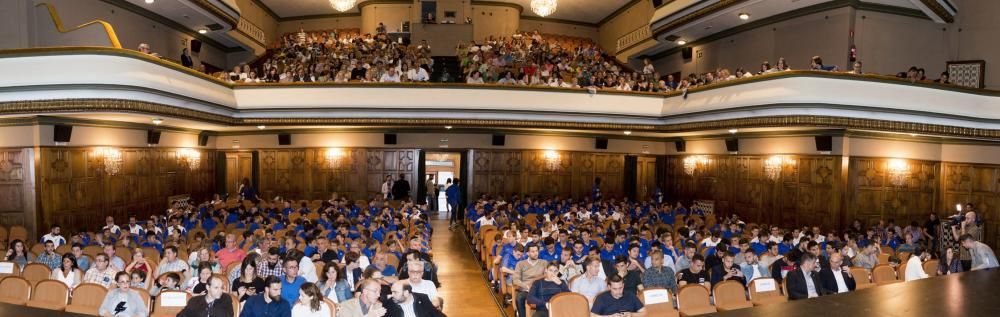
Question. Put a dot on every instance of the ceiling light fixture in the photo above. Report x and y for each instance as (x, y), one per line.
(149, 1)
(627, 132)
(343, 5)
(681, 42)
(261, 127)
(202, 31)
(157, 121)
(447, 127)
(733, 131)
(744, 16)
(543, 8)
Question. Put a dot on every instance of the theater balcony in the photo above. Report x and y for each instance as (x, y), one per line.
(54, 81)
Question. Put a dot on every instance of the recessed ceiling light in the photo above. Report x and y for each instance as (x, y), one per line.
(149, 1)
(627, 132)
(733, 130)
(157, 121)
(913, 134)
(262, 127)
(202, 31)
(744, 16)
(447, 127)
(681, 42)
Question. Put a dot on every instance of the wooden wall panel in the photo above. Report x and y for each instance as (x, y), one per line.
(527, 172)
(973, 183)
(303, 173)
(16, 203)
(75, 192)
(874, 197)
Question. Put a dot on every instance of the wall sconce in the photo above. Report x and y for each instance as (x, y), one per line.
(111, 158)
(332, 157)
(190, 158)
(551, 159)
(691, 163)
(899, 172)
(774, 164)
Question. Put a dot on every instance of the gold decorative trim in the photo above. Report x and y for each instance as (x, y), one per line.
(939, 10)
(108, 29)
(36, 107)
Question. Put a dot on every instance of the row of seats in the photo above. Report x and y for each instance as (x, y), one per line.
(84, 299)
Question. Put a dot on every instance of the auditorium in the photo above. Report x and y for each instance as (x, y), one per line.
(499, 158)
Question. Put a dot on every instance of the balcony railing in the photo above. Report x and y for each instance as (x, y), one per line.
(631, 38)
(252, 31)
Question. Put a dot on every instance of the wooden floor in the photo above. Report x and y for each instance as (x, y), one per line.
(462, 286)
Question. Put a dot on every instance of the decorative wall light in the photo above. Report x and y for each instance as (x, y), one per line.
(111, 158)
(190, 158)
(551, 160)
(691, 163)
(343, 5)
(774, 164)
(543, 8)
(332, 158)
(899, 172)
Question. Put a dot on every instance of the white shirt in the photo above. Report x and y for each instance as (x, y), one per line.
(113, 228)
(425, 287)
(389, 78)
(70, 280)
(668, 261)
(307, 270)
(57, 240)
(838, 275)
(407, 309)
(483, 221)
(417, 74)
(301, 310)
(914, 269)
(134, 230)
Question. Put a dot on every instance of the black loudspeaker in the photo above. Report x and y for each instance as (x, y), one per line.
(389, 139)
(195, 46)
(657, 3)
(62, 133)
(499, 140)
(203, 140)
(152, 137)
(687, 53)
(733, 145)
(824, 143)
(284, 139)
(601, 144)
(681, 146)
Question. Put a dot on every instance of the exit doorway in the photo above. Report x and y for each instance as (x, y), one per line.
(443, 167)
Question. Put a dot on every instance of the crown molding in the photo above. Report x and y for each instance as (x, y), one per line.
(174, 25)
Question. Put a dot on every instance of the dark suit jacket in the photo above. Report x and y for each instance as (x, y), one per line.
(400, 189)
(830, 283)
(422, 306)
(797, 288)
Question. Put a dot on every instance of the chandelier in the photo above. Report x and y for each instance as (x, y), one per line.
(899, 172)
(112, 160)
(551, 160)
(190, 158)
(543, 8)
(332, 157)
(691, 163)
(343, 5)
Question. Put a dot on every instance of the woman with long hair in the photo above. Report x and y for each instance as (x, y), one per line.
(18, 254)
(333, 283)
(68, 273)
(198, 284)
(310, 302)
(248, 283)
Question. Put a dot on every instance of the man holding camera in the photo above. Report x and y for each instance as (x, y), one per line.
(970, 227)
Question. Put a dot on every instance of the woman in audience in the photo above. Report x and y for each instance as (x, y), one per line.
(138, 262)
(68, 273)
(949, 263)
(140, 279)
(197, 285)
(333, 285)
(204, 257)
(18, 254)
(310, 302)
(248, 283)
(543, 289)
(122, 300)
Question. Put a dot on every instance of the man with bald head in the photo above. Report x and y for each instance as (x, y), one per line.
(836, 277)
(410, 303)
(231, 253)
(969, 227)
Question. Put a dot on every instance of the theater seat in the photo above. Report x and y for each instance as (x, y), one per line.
(692, 300)
(50, 294)
(14, 290)
(862, 277)
(163, 309)
(87, 299)
(36, 272)
(8, 268)
(931, 267)
(569, 305)
(658, 302)
(730, 295)
(764, 291)
(883, 274)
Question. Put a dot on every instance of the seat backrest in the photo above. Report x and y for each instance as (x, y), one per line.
(883, 258)
(883, 273)
(692, 296)
(8, 268)
(17, 232)
(15, 288)
(569, 304)
(332, 306)
(225, 280)
(235, 302)
(125, 253)
(658, 302)
(3, 238)
(144, 295)
(931, 267)
(89, 295)
(92, 251)
(51, 291)
(729, 292)
(168, 301)
(764, 288)
(861, 275)
(38, 248)
(36, 272)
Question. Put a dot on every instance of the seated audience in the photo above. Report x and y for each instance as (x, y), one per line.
(804, 282)
(170, 281)
(542, 290)
(122, 300)
(590, 284)
(198, 284)
(696, 274)
(727, 270)
(333, 284)
(836, 277)
(248, 283)
(291, 282)
(17, 253)
(102, 272)
(310, 303)
(658, 275)
(269, 302)
(915, 265)
(215, 302)
(367, 304)
(68, 272)
(949, 263)
(616, 301)
(752, 268)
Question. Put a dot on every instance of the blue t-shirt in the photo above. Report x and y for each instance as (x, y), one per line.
(255, 306)
(290, 291)
(605, 304)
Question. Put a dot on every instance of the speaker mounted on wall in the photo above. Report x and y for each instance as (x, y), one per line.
(284, 139)
(733, 145)
(203, 139)
(687, 53)
(62, 134)
(499, 139)
(389, 139)
(152, 137)
(824, 144)
(680, 146)
(601, 143)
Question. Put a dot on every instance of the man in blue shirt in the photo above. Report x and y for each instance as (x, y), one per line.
(291, 283)
(617, 301)
(268, 303)
(453, 194)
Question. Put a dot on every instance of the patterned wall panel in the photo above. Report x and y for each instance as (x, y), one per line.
(978, 184)
(75, 192)
(529, 172)
(15, 181)
(874, 197)
(357, 173)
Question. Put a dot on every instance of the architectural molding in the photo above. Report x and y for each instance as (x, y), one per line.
(622, 10)
(173, 25)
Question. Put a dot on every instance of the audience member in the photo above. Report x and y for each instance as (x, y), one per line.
(102, 272)
(367, 304)
(658, 275)
(269, 303)
(804, 282)
(17, 253)
(215, 302)
(617, 302)
(543, 289)
(68, 272)
(310, 303)
(590, 284)
(981, 255)
(836, 277)
(526, 272)
(949, 263)
(122, 300)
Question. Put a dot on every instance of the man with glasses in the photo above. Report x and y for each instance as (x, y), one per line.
(122, 300)
(102, 273)
(215, 303)
(419, 284)
(269, 302)
(365, 305)
(291, 282)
